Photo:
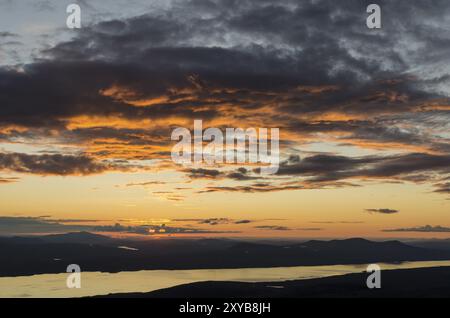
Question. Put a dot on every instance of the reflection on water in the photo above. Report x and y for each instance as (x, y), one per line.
(96, 283)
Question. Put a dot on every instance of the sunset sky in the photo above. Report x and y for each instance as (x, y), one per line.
(86, 117)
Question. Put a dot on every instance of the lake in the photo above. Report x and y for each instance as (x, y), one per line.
(97, 283)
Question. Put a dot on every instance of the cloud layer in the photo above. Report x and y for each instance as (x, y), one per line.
(116, 89)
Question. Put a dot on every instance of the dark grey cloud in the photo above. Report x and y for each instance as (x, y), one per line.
(332, 171)
(426, 229)
(243, 221)
(383, 211)
(409, 163)
(53, 164)
(174, 46)
(322, 165)
(130, 136)
(6, 34)
(270, 23)
(326, 167)
(240, 174)
(254, 188)
(40, 96)
(202, 173)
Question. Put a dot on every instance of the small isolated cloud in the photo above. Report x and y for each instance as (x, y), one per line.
(8, 180)
(382, 211)
(272, 228)
(254, 188)
(426, 228)
(215, 221)
(285, 228)
(242, 221)
(143, 184)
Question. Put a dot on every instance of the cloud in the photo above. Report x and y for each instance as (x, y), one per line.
(7, 34)
(184, 50)
(240, 174)
(382, 211)
(273, 228)
(322, 164)
(146, 183)
(326, 167)
(443, 188)
(426, 228)
(54, 164)
(243, 221)
(8, 180)
(204, 173)
(215, 221)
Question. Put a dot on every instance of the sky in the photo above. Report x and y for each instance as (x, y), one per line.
(86, 117)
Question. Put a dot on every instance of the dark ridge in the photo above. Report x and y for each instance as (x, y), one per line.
(52, 253)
